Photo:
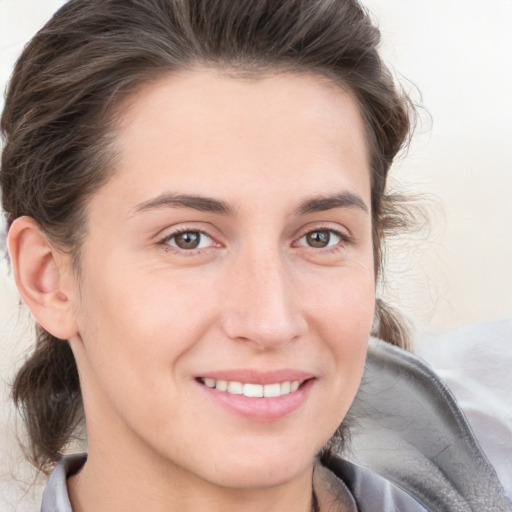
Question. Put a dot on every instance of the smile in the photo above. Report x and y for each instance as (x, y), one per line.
(252, 390)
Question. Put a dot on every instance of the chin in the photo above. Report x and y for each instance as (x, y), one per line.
(263, 468)
(263, 477)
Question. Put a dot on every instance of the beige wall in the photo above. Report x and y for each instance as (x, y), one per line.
(459, 54)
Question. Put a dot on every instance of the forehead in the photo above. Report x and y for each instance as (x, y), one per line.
(203, 131)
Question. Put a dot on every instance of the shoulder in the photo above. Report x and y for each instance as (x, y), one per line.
(475, 363)
(370, 491)
(407, 427)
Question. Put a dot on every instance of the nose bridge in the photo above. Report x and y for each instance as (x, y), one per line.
(263, 305)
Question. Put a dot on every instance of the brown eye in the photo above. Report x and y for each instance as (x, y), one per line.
(189, 240)
(320, 238)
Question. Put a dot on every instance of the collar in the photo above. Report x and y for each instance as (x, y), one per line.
(55, 496)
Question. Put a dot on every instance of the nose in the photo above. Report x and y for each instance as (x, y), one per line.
(261, 305)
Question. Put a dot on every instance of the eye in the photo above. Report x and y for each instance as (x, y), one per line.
(189, 240)
(321, 239)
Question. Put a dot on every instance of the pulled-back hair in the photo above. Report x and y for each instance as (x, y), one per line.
(60, 113)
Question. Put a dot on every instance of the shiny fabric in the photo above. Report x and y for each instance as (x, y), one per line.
(475, 362)
(411, 449)
(406, 426)
(55, 496)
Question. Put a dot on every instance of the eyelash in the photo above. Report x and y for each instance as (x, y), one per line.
(344, 240)
(165, 242)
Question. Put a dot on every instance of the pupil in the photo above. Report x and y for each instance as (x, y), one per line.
(318, 238)
(188, 240)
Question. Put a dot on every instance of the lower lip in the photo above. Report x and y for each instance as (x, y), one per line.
(260, 408)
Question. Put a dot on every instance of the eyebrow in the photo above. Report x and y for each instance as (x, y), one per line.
(208, 204)
(329, 202)
(203, 204)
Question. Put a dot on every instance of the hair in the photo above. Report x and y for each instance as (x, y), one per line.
(59, 119)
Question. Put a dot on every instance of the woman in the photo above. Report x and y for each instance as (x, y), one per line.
(196, 198)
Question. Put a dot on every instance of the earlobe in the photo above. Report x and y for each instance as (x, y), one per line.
(42, 277)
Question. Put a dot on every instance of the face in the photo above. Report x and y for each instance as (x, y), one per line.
(227, 285)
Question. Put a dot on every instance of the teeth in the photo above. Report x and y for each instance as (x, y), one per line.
(235, 388)
(271, 390)
(209, 382)
(286, 387)
(221, 385)
(253, 390)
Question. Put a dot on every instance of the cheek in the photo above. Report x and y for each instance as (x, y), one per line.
(135, 339)
(344, 312)
(140, 322)
(343, 301)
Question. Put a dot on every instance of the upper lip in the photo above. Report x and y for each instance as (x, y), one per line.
(253, 376)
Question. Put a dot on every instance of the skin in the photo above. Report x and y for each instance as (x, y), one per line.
(147, 317)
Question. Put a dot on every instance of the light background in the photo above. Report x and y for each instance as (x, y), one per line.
(458, 54)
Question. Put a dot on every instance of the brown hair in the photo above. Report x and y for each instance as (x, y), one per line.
(60, 109)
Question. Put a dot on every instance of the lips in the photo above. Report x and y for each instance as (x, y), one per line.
(258, 396)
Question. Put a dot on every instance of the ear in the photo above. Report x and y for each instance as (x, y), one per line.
(44, 277)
